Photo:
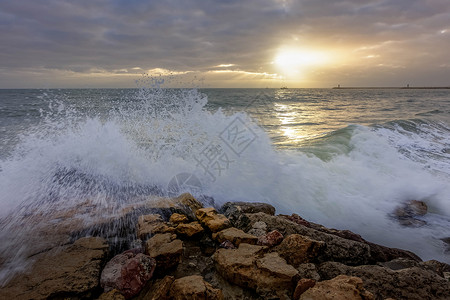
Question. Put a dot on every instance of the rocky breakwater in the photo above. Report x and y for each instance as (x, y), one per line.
(238, 251)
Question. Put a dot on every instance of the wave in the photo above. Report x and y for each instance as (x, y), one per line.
(352, 178)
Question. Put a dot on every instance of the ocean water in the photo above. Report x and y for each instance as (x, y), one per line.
(342, 158)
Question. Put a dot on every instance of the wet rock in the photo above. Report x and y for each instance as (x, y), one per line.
(268, 274)
(111, 295)
(340, 288)
(214, 221)
(435, 266)
(184, 204)
(337, 248)
(178, 218)
(190, 230)
(302, 286)
(165, 249)
(410, 283)
(234, 235)
(194, 288)
(297, 249)
(128, 273)
(70, 271)
(271, 239)
(308, 271)
(234, 210)
(152, 224)
(160, 290)
(378, 253)
(407, 213)
(258, 229)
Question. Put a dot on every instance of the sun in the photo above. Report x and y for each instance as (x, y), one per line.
(292, 61)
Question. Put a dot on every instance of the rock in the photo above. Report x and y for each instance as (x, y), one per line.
(233, 210)
(399, 263)
(412, 208)
(184, 204)
(211, 219)
(340, 288)
(271, 239)
(435, 266)
(378, 253)
(160, 290)
(227, 245)
(407, 213)
(297, 249)
(341, 245)
(190, 229)
(178, 218)
(71, 271)
(128, 273)
(194, 288)
(248, 266)
(152, 224)
(308, 271)
(165, 249)
(111, 295)
(447, 244)
(234, 235)
(302, 286)
(258, 229)
(411, 283)
(188, 203)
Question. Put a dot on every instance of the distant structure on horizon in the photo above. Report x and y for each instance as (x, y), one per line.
(391, 87)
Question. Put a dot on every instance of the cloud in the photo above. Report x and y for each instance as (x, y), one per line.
(76, 37)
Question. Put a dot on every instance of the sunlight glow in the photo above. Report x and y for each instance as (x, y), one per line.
(291, 61)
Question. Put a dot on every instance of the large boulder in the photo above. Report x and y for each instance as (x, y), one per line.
(128, 273)
(159, 290)
(189, 230)
(409, 283)
(194, 287)
(337, 248)
(297, 249)
(249, 267)
(211, 219)
(339, 288)
(71, 271)
(166, 249)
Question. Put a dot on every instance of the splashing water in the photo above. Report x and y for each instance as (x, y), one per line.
(86, 166)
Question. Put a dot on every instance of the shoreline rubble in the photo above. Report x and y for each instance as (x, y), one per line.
(182, 250)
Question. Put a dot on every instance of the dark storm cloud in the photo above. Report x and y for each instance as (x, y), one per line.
(114, 35)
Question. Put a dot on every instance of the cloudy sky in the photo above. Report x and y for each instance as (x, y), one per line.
(252, 43)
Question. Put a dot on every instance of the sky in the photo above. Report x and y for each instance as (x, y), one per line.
(224, 43)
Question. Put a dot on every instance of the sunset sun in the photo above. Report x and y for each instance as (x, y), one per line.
(291, 61)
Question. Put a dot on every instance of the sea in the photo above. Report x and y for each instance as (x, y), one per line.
(344, 158)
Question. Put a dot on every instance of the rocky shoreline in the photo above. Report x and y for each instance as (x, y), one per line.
(187, 249)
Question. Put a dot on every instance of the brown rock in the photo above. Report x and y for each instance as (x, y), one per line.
(234, 235)
(337, 249)
(111, 295)
(411, 283)
(128, 273)
(235, 211)
(269, 275)
(271, 239)
(340, 288)
(152, 224)
(211, 219)
(190, 229)
(297, 249)
(194, 288)
(70, 271)
(188, 203)
(407, 213)
(302, 286)
(165, 249)
(160, 290)
(178, 218)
